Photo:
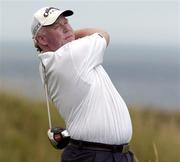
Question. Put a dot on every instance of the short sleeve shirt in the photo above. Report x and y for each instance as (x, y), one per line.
(83, 93)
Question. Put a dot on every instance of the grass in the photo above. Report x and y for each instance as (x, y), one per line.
(156, 135)
(24, 125)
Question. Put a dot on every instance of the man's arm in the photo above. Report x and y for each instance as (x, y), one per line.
(88, 31)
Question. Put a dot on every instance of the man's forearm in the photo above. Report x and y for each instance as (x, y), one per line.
(85, 32)
(88, 31)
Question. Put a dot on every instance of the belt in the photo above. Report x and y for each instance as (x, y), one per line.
(124, 148)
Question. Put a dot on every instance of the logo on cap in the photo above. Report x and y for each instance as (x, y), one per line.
(46, 13)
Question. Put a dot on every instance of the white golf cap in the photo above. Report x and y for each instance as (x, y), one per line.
(47, 16)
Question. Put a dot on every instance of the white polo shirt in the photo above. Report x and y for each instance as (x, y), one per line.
(83, 93)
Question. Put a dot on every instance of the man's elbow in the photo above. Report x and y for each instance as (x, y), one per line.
(106, 36)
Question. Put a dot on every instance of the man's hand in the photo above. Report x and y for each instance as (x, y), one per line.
(88, 31)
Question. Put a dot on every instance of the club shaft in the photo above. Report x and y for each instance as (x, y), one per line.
(48, 107)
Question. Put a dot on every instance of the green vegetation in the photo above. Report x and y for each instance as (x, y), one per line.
(156, 130)
(24, 124)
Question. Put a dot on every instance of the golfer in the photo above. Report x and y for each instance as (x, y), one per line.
(95, 114)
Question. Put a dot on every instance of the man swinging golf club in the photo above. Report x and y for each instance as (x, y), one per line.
(95, 115)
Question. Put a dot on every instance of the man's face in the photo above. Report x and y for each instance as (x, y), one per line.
(59, 33)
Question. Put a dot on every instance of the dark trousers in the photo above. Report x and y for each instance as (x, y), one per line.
(74, 153)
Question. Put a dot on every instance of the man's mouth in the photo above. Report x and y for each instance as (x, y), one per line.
(68, 37)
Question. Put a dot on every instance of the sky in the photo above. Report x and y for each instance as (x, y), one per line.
(148, 22)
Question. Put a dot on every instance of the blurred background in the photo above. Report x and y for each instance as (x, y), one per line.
(143, 61)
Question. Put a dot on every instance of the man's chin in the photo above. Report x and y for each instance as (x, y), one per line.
(70, 39)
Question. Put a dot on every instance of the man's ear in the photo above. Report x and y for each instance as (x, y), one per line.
(41, 39)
